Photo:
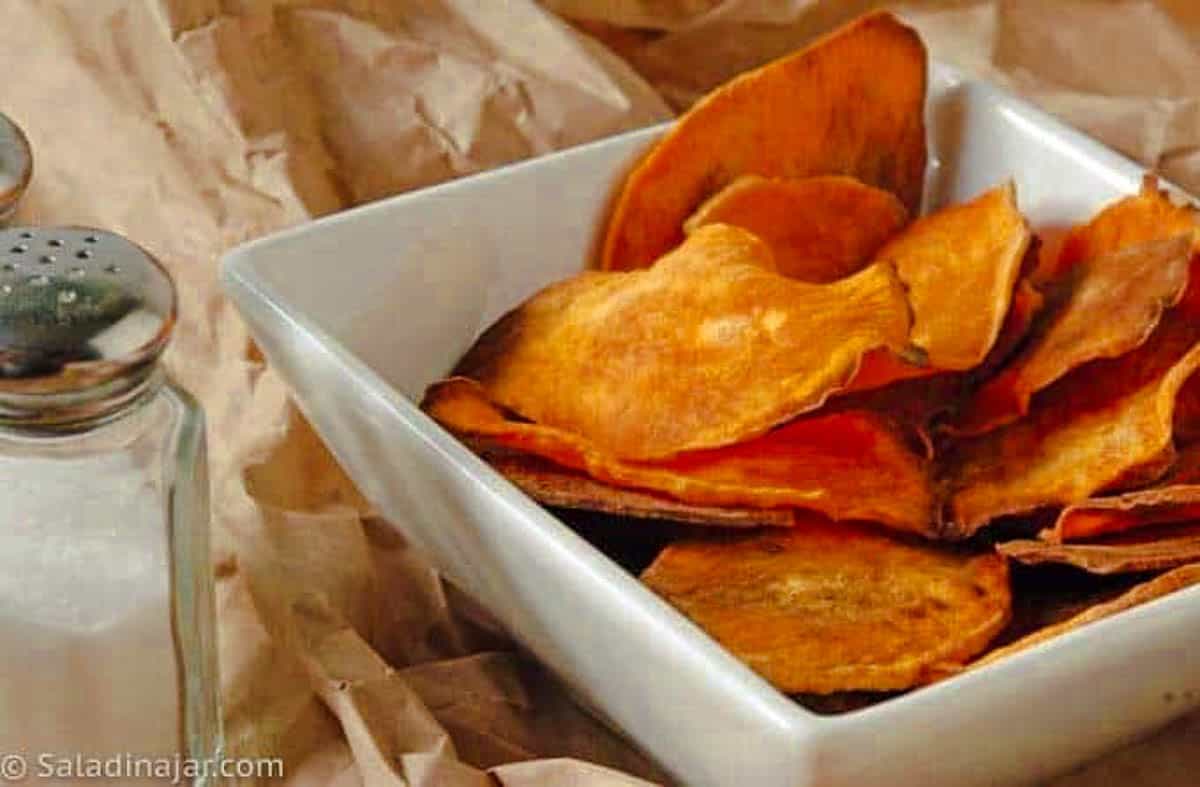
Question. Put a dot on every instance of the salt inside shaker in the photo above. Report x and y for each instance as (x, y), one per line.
(107, 640)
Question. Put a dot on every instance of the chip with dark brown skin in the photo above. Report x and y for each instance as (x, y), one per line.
(1147, 549)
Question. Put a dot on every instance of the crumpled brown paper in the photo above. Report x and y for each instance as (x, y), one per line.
(193, 125)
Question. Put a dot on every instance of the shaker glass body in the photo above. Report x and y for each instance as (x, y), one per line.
(107, 641)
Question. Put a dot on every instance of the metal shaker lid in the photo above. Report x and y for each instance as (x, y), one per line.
(16, 166)
(84, 317)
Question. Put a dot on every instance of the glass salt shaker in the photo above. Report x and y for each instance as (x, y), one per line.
(107, 640)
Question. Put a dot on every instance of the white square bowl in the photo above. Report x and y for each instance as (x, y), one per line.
(361, 310)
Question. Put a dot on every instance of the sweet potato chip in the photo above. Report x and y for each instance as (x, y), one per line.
(820, 607)
(846, 465)
(1026, 307)
(961, 266)
(1147, 216)
(1187, 413)
(822, 111)
(707, 348)
(1110, 308)
(553, 486)
(1175, 498)
(820, 229)
(1154, 550)
(1158, 587)
(1105, 426)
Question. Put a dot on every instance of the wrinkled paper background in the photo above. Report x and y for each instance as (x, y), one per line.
(194, 125)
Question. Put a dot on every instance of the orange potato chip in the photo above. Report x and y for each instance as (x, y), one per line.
(1175, 498)
(707, 348)
(1160, 549)
(1187, 412)
(821, 111)
(1147, 216)
(846, 465)
(820, 229)
(821, 608)
(1105, 426)
(1158, 587)
(1112, 306)
(960, 266)
(1027, 305)
(553, 486)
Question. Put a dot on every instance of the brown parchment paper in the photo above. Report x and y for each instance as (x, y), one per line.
(193, 125)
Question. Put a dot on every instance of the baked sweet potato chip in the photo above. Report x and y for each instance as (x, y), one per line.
(960, 266)
(820, 607)
(1026, 307)
(1111, 307)
(1146, 216)
(1106, 426)
(554, 486)
(707, 348)
(850, 104)
(846, 464)
(1158, 587)
(1153, 550)
(1174, 498)
(1187, 410)
(820, 229)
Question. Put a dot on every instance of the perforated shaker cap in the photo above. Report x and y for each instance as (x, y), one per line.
(84, 317)
(16, 166)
